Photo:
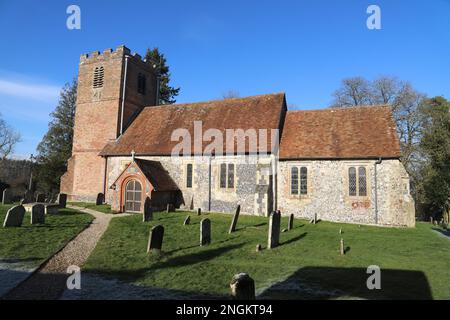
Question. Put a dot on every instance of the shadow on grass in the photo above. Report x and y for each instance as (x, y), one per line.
(349, 283)
(299, 237)
(19, 260)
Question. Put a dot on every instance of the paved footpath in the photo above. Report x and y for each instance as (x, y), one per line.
(49, 281)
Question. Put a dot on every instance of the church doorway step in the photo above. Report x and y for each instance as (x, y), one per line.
(133, 196)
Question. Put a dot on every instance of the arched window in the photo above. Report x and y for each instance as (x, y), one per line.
(294, 181)
(362, 182)
(133, 196)
(352, 181)
(141, 83)
(99, 73)
(303, 181)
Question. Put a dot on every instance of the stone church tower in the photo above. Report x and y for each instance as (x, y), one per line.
(113, 88)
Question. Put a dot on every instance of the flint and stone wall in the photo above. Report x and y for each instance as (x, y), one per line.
(328, 193)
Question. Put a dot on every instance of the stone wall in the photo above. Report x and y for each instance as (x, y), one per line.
(328, 193)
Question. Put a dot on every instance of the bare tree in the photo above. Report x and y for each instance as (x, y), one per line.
(385, 89)
(354, 91)
(8, 139)
(231, 94)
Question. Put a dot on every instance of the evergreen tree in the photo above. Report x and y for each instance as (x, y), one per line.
(167, 93)
(56, 146)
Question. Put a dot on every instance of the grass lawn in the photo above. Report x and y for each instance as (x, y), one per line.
(105, 208)
(35, 243)
(415, 263)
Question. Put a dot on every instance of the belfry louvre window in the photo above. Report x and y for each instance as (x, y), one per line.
(141, 83)
(189, 175)
(357, 183)
(299, 182)
(99, 73)
(226, 178)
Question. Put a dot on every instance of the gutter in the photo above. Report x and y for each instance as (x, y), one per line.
(376, 189)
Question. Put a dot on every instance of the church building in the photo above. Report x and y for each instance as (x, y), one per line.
(339, 165)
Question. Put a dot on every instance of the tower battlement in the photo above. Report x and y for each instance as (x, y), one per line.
(120, 52)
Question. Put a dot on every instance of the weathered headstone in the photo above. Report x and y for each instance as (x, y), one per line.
(258, 247)
(242, 287)
(205, 232)
(187, 221)
(100, 199)
(274, 230)
(431, 220)
(40, 197)
(291, 222)
(340, 231)
(199, 211)
(6, 198)
(235, 220)
(37, 214)
(14, 217)
(51, 208)
(342, 249)
(284, 230)
(156, 239)
(62, 200)
(148, 211)
(170, 207)
(28, 196)
(315, 218)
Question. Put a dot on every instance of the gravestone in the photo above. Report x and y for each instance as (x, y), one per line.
(242, 287)
(291, 222)
(100, 199)
(28, 196)
(258, 248)
(62, 200)
(235, 219)
(199, 211)
(342, 250)
(148, 211)
(340, 231)
(205, 232)
(14, 217)
(274, 230)
(156, 239)
(37, 214)
(6, 198)
(51, 208)
(187, 221)
(40, 197)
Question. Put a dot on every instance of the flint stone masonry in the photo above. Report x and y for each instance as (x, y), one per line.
(37, 214)
(14, 217)
(155, 240)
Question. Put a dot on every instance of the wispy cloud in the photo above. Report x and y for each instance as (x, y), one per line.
(29, 90)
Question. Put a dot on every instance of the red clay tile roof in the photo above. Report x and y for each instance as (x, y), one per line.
(157, 175)
(150, 133)
(358, 132)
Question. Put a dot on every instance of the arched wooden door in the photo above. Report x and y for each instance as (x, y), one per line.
(133, 196)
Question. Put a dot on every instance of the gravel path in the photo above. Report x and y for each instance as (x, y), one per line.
(49, 281)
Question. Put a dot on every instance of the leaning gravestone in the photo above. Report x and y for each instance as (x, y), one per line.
(40, 197)
(148, 212)
(242, 287)
(205, 232)
(235, 219)
(100, 199)
(155, 240)
(187, 221)
(62, 200)
(6, 198)
(37, 214)
(14, 217)
(291, 222)
(274, 230)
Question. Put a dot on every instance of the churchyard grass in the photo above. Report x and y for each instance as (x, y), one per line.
(36, 243)
(415, 263)
(105, 208)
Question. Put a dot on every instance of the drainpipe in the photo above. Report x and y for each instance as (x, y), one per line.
(209, 183)
(376, 189)
(123, 94)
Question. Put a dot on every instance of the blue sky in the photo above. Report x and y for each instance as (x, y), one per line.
(303, 48)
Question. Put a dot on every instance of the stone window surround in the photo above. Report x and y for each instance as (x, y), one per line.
(218, 188)
(356, 165)
(185, 165)
(299, 165)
